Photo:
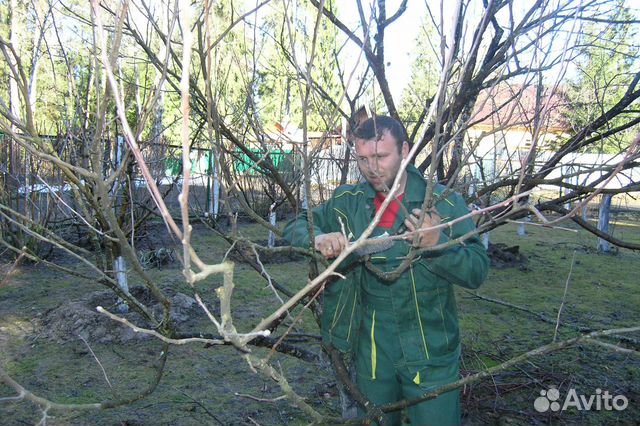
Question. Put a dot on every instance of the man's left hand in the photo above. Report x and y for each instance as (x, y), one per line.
(426, 237)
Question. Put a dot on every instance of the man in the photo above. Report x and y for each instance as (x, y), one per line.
(403, 329)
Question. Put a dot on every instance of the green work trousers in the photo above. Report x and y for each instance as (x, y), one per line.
(384, 377)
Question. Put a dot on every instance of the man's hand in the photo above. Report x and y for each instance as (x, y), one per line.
(427, 237)
(331, 244)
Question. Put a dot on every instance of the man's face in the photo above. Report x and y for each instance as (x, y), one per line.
(379, 160)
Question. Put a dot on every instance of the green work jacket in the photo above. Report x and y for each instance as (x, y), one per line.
(422, 297)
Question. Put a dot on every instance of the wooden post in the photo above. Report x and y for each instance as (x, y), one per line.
(121, 275)
(271, 242)
(213, 191)
(567, 170)
(304, 204)
(521, 226)
(485, 240)
(603, 222)
(119, 265)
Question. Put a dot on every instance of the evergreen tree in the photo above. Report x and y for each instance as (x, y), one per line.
(425, 72)
(606, 64)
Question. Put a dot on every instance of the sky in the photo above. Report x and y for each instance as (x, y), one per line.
(399, 43)
(400, 36)
(398, 54)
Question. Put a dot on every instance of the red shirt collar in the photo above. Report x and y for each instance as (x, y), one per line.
(390, 213)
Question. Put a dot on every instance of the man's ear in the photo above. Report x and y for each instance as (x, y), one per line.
(405, 149)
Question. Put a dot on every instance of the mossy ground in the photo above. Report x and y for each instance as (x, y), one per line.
(201, 384)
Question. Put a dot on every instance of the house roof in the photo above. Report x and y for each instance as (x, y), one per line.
(517, 105)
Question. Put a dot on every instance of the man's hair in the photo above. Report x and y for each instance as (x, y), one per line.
(374, 128)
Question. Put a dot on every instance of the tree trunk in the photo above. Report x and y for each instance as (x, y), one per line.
(14, 97)
(38, 36)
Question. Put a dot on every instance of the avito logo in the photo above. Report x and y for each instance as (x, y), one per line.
(550, 400)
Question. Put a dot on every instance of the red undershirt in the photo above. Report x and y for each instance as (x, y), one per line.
(390, 213)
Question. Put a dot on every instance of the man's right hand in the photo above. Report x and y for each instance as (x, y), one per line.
(331, 244)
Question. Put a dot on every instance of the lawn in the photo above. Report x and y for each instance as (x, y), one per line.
(213, 385)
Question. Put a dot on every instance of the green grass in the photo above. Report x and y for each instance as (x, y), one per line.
(601, 293)
(200, 384)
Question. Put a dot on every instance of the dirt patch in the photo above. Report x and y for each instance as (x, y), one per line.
(503, 256)
(80, 318)
(154, 235)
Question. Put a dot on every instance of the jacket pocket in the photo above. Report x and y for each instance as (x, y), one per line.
(435, 336)
(433, 376)
(341, 313)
